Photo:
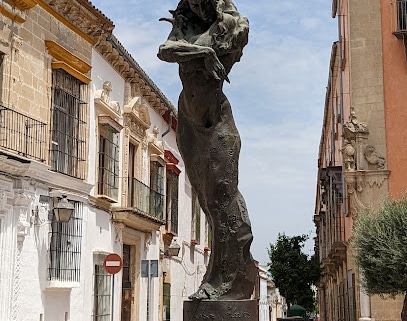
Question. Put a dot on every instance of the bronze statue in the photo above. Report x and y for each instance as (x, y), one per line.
(206, 39)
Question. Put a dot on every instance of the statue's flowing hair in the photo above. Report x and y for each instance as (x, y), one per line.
(233, 29)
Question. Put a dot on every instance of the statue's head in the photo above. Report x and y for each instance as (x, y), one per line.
(232, 27)
(204, 9)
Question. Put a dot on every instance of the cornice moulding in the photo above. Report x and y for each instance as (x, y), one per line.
(10, 14)
(72, 71)
(81, 17)
(22, 5)
(61, 54)
(108, 120)
(114, 52)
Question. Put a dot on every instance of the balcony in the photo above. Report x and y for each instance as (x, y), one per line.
(399, 18)
(145, 207)
(22, 135)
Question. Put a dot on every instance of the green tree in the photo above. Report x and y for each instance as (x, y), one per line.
(379, 241)
(294, 272)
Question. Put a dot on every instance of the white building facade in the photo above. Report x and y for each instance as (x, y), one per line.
(272, 305)
(81, 121)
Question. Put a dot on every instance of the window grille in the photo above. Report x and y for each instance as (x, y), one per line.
(401, 15)
(127, 294)
(157, 189)
(196, 218)
(65, 247)
(108, 178)
(69, 108)
(102, 293)
(2, 55)
(172, 202)
(166, 301)
(143, 198)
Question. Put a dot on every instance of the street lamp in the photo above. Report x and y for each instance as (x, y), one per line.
(63, 210)
(173, 249)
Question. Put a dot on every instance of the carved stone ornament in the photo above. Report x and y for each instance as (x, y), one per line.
(355, 185)
(16, 42)
(102, 100)
(22, 226)
(365, 189)
(137, 110)
(22, 200)
(155, 145)
(148, 237)
(136, 117)
(119, 226)
(43, 212)
(84, 17)
(22, 4)
(353, 126)
(348, 152)
(373, 158)
(357, 153)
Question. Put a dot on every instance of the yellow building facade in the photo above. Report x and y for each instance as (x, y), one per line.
(360, 159)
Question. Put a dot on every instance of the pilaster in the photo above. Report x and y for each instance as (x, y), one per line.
(24, 195)
(7, 239)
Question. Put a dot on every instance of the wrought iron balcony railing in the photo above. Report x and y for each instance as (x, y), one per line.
(22, 134)
(145, 199)
(399, 18)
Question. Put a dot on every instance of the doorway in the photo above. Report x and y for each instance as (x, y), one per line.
(127, 292)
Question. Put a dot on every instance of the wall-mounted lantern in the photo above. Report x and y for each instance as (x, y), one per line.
(63, 210)
(173, 249)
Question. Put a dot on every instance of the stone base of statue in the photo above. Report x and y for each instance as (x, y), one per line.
(229, 310)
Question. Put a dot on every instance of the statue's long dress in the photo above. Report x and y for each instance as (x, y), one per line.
(210, 145)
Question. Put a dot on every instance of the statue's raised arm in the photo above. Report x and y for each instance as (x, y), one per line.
(207, 38)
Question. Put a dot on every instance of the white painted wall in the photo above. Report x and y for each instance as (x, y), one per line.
(26, 293)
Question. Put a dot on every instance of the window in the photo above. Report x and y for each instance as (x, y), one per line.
(208, 235)
(157, 189)
(131, 193)
(402, 14)
(166, 301)
(196, 220)
(2, 55)
(102, 291)
(127, 293)
(68, 131)
(108, 179)
(172, 201)
(65, 247)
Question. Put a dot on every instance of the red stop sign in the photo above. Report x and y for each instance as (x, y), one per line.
(113, 263)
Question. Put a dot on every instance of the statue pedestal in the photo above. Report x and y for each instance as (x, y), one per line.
(230, 310)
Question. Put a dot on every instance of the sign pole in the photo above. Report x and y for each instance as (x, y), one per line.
(113, 277)
(149, 293)
(113, 264)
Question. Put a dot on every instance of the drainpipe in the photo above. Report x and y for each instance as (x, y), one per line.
(169, 124)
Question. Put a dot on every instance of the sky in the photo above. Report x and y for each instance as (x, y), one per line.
(277, 92)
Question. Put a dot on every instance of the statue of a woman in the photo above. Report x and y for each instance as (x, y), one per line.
(207, 38)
